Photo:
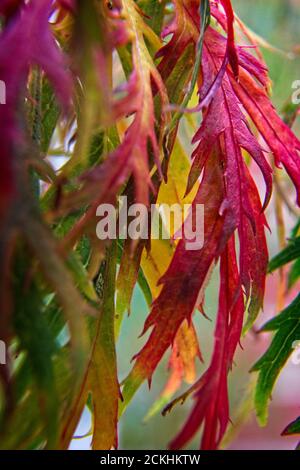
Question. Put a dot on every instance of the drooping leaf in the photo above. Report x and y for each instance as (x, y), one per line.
(290, 253)
(140, 148)
(178, 285)
(26, 41)
(287, 328)
(101, 373)
(211, 394)
(240, 208)
(103, 379)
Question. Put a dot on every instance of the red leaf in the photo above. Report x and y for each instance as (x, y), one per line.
(232, 55)
(232, 205)
(183, 279)
(281, 140)
(9, 7)
(26, 40)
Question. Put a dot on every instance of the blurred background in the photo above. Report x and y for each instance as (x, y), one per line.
(277, 21)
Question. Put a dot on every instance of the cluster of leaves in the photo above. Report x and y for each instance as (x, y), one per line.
(105, 84)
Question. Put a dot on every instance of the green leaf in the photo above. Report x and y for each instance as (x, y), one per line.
(287, 327)
(126, 280)
(43, 111)
(290, 253)
(100, 381)
(155, 13)
(90, 34)
(294, 273)
(296, 230)
(61, 281)
(24, 427)
(37, 341)
(143, 283)
(102, 377)
(292, 428)
(81, 278)
(50, 112)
